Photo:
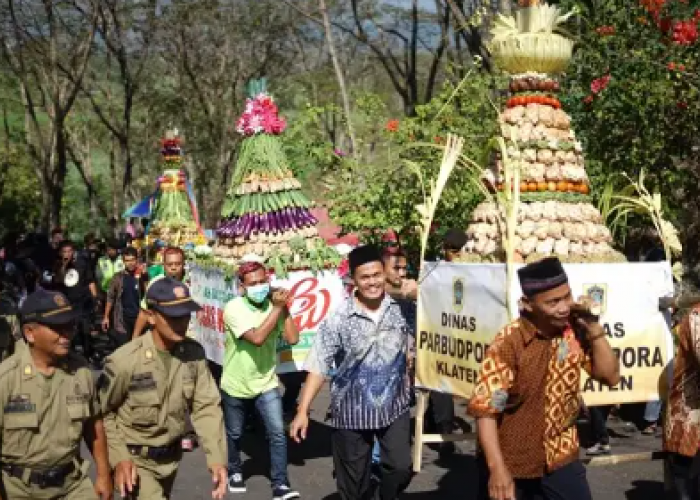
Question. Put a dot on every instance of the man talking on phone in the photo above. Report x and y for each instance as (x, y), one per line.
(527, 397)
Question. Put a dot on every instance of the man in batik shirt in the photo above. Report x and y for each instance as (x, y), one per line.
(526, 400)
(682, 425)
(364, 349)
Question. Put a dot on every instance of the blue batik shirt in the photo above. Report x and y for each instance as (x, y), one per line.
(366, 361)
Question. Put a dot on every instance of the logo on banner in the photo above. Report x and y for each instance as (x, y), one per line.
(598, 293)
(457, 294)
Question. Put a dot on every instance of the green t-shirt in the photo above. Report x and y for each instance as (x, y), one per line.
(248, 370)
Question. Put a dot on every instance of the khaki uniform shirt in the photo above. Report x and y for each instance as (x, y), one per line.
(41, 418)
(145, 405)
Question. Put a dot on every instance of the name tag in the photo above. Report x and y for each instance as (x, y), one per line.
(77, 399)
(20, 407)
(142, 382)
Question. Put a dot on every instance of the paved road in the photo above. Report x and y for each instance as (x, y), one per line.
(311, 471)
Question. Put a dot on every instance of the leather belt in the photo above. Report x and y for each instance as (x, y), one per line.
(54, 477)
(169, 451)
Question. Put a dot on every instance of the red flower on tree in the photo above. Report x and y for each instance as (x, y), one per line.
(685, 32)
(599, 84)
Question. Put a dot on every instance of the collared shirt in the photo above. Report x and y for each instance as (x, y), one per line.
(42, 418)
(366, 361)
(145, 402)
(115, 294)
(531, 383)
(682, 426)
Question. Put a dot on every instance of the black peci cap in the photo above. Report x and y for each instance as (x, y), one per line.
(47, 308)
(171, 298)
(364, 255)
(542, 276)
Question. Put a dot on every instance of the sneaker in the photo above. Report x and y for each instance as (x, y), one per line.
(236, 483)
(598, 449)
(284, 492)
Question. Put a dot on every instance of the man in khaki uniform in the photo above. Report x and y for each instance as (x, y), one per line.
(48, 403)
(145, 390)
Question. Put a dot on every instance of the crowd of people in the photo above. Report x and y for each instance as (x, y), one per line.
(67, 312)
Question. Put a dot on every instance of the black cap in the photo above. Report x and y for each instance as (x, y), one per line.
(542, 276)
(454, 239)
(47, 308)
(170, 297)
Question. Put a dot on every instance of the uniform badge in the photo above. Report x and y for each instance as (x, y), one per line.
(149, 354)
(179, 292)
(28, 370)
(72, 278)
(60, 300)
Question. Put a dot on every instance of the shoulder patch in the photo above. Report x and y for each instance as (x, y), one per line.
(189, 350)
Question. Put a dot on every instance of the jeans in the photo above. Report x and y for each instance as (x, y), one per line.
(269, 407)
(376, 452)
(652, 411)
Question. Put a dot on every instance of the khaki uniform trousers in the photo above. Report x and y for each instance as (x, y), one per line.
(156, 478)
(77, 486)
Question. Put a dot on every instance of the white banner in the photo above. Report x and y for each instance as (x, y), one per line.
(462, 307)
(314, 297)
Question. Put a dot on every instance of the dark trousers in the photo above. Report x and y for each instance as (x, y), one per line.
(292, 383)
(129, 324)
(598, 423)
(352, 452)
(681, 477)
(441, 412)
(83, 337)
(566, 483)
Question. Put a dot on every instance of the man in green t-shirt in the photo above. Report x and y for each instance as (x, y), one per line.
(255, 323)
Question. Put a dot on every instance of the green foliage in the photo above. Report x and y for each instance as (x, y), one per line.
(373, 196)
(647, 116)
(20, 195)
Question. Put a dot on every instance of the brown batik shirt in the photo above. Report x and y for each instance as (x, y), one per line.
(682, 427)
(531, 384)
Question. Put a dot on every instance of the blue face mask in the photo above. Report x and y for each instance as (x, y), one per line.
(258, 293)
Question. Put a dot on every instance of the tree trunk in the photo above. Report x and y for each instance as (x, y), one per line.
(339, 75)
(114, 179)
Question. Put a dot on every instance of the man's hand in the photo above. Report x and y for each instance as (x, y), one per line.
(219, 477)
(299, 426)
(409, 289)
(125, 477)
(104, 487)
(105, 324)
(280, 296)
(501, 486)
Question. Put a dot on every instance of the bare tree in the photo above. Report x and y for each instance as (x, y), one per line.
(47, 46)
(127, 28)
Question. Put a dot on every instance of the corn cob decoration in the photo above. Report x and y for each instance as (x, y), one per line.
(554, 215)
(174, 217)
(265, 213)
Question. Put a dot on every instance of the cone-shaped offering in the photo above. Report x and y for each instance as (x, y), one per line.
(555, 215)
(265, 212)
(174, 217)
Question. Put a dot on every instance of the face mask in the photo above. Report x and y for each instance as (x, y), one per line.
(258, 293)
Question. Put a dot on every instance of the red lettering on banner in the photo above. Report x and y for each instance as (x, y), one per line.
(211, 317)
(315, 303)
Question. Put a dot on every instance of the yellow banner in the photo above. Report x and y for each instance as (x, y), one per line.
(462, 307)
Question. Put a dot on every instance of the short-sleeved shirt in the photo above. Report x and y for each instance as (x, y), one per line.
(249, 370)
(531, 383)
(78, 295)
(366, 361)
(131, 296)
(682, 427)
(42, 418)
